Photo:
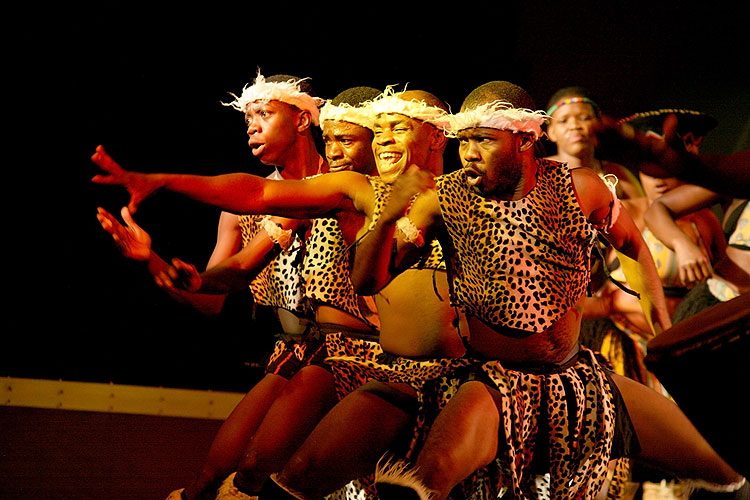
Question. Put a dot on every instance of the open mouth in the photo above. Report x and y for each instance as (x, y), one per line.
(389, 159)
(473, 177)
(257, 148)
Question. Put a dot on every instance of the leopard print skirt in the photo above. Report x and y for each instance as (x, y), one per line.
(556, 430)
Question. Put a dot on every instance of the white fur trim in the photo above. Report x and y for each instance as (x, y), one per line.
(699, 484)
(288, 92)
(390, 101)
(499, 115)
(357, 115)
(282, 237)
(228, 491)
(411, 233)
(399, 473)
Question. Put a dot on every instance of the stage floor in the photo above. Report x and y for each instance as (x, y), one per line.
(82, 455)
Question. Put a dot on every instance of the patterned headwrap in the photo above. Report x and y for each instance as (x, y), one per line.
(288, 92)
(391, 102)
(499, 115)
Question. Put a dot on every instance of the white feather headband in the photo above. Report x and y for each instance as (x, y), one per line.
(499, 115)
(358, 115)
(390, 102)
(288, 92)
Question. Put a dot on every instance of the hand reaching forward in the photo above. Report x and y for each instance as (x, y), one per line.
(139, 185)
(180, 276)
(133, 242)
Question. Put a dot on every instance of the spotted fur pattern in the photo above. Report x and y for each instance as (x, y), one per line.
(575, 403)
(279, 284)
(325, 271)
(517, 264)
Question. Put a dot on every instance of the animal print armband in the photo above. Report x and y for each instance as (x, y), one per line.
(411, 233)
(281, 237)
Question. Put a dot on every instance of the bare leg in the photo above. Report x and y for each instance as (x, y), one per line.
(303, 402)
(346, 444)
(669, 440)
(463, 438)
(232, 438)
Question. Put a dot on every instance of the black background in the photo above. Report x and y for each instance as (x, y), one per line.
(147, 82)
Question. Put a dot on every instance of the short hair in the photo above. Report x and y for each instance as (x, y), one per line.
(303, 83)
(355, 96)
(499, 91)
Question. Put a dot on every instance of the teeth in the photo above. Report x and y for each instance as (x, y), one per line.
(389, 156)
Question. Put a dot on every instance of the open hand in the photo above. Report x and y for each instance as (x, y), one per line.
(133, 242)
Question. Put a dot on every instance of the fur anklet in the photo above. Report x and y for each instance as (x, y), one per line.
(398, 473)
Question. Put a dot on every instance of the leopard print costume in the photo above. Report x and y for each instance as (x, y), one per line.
(517, 264)
(325, 272)
(353, 365)
(521, 265)
(279, 285)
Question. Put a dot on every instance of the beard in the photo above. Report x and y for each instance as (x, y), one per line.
(503, 185)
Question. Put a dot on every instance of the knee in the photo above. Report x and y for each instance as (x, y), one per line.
(297, 471)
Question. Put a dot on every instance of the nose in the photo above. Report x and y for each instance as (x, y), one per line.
(383, 137)
(333, 150)
(469, 151)
(573, 124)
(252, 126)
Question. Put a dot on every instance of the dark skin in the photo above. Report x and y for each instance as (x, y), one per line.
(726, 174)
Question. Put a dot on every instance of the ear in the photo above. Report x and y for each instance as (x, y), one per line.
(526, 143)
(304, 121)
(551, 133)
(439, 140)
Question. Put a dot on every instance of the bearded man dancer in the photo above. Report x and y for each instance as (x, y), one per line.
(517, 232)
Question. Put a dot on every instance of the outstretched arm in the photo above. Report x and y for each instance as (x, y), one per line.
(375, 262)
(238, 193)
(726, 174)
(233, 273)
(135, 243)
(596, 201)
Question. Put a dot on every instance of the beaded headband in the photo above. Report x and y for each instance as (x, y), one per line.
(571, 100)
(499, 115)
(390, 102)
(288, 92)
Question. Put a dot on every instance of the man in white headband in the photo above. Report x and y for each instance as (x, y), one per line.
(281, 116)
(518, 232)
(347, 131)
(417, 323)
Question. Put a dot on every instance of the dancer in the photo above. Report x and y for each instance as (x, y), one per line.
(519, 233)
(574, 115)
(281, 113)
(417, 323)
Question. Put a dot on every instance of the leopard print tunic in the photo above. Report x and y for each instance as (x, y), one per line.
(279, 284)
(325, 272)
(517, 264)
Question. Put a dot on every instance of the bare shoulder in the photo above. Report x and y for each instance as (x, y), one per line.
(591, 191)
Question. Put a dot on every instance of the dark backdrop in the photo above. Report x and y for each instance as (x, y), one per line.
(147, 82)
